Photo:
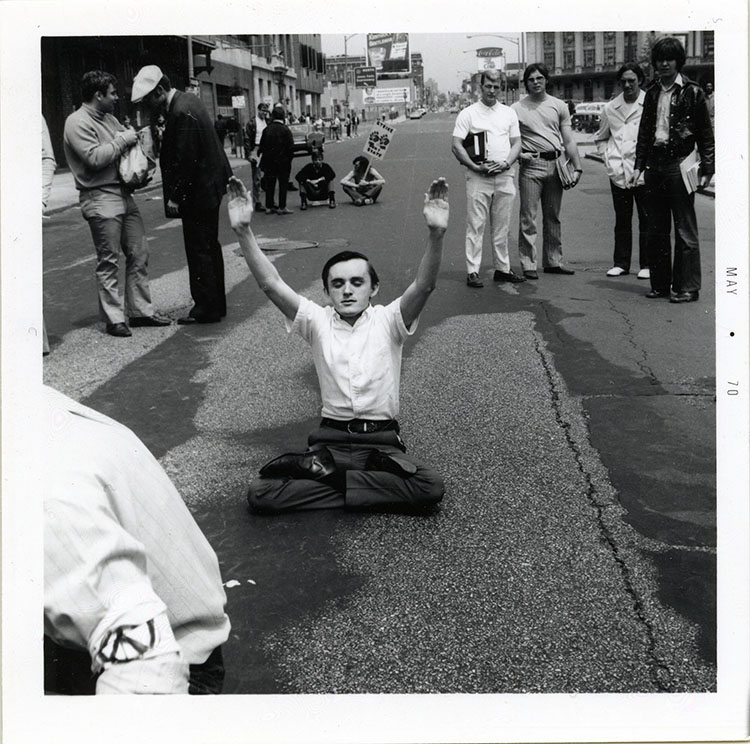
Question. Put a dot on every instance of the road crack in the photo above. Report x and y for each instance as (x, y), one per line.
(660, 672)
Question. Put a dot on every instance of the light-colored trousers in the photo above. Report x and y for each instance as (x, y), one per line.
(538, 182)
(116, 225)
(488, 198)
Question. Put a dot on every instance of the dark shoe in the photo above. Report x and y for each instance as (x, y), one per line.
(314, 464)
(531, 274)
(259, 207)
(558, 270)
(285, 211)
(390, 463)
(507, 276)
(118, 329)
(270, 210)
(190, 320)
(331, 204)
(150, 320)
(473, 280)
(303, 206)
(684, 297)
(654, 294)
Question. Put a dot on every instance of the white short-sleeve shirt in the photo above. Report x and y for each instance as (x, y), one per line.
(500, 123)
(358, 366)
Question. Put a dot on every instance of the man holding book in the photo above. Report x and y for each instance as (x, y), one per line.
(487, 141)
(549, 163)
(675, 121)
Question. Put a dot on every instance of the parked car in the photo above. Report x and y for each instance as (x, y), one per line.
(305, 139)
(417, 113)
(453, 110)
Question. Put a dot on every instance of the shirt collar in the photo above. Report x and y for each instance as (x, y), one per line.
(677, 81)
(366, 313)
(170, 96)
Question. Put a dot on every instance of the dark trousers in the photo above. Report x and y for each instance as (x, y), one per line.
(667, 199)
(200, 229)
(67, 671)
(364, 488)
(622, 200)
(281, 177)
(316, 192)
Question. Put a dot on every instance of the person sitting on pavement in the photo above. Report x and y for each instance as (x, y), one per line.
(355, 457)
(316, 182)
(362, 184)
(133, 596)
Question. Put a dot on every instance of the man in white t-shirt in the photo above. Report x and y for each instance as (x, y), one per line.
(355, 458)
(490, 188)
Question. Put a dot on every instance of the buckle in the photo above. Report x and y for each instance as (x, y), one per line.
(356, 424)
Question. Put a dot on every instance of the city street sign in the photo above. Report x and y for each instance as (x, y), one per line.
(238, 102)
(365, 77)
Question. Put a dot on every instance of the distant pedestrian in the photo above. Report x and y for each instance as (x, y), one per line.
(233, 133)
(133, 597)
(348, 124)
(94, 141)
(675, 121)
(355, 124)
(316, 181)
(276, 151)
(254, 131)
(616, 140)
(336, 128)
(490, 188)
(546, 135)
(709, 91)
(195, 171)
(362, 184)
(220, 125)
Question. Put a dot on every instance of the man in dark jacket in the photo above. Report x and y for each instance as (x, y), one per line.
(675, 121)
(276, 151)
(195, 172)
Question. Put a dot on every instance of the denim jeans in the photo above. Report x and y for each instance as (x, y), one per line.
(667, 199)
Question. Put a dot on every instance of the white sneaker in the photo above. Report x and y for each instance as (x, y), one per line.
(644, 274)
(616, 271)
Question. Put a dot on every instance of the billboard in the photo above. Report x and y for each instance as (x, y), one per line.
(383, 96)
(490, 58)
(389, 53)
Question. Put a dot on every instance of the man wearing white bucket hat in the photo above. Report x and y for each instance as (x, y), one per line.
(195, 172)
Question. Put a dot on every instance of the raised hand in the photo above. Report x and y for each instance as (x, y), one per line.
(240, 208)
(436, 210)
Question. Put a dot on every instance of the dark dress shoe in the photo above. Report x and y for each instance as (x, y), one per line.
(473, 280)
(190, 320)
(558, 270)
(507, 276)
(118, 329)
(150, 320)
(655, 294)
(314, 464)
(684, 297)
(531, 274)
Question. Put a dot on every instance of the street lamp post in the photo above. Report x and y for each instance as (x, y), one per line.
(519, 44)
(346, 71)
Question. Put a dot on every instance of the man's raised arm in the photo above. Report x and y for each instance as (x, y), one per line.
(276, 289)
(436, 215)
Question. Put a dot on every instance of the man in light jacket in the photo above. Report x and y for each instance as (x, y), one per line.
(616, 141)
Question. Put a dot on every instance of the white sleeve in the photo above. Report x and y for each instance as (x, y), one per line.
(463, 124)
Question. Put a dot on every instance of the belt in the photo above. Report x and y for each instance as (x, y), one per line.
(360, 426)
(547, 155)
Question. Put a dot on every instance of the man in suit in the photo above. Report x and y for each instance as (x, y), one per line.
(195, 172)
(276, 150)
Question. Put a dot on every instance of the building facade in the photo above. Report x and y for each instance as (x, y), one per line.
(583, 64)
(231, 74)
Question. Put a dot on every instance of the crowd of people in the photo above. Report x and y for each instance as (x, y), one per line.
(119, 541)
(647, 139)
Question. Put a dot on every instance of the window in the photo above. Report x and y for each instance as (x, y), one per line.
(568, 91)
(589, 38)
(708, 44)
(631, 46)
(609, 56)
(569, 59)
(588, 57)
(549, 60)
(609, 37)
(548, 38)
(588, 90)
(569, 39)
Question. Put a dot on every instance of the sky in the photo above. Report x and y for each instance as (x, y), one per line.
(447, 57)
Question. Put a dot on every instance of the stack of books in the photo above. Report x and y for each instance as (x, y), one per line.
(690, 169)
(566, 171)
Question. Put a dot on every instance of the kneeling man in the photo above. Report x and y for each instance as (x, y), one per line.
(355, 457)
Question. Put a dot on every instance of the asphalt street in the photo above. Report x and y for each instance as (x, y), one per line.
(573, 421)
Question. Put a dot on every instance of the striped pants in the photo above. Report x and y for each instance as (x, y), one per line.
(538, 181)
